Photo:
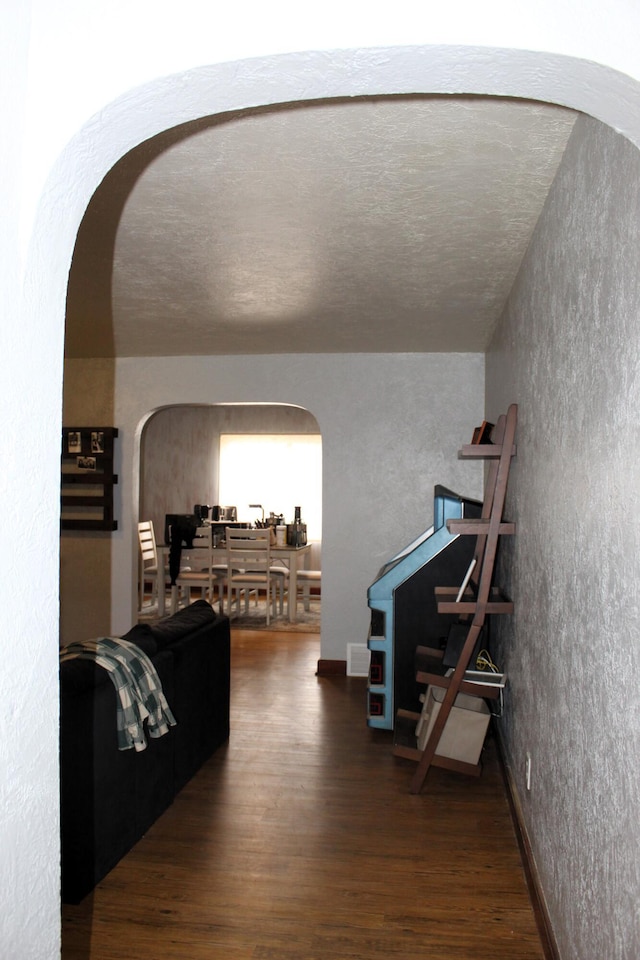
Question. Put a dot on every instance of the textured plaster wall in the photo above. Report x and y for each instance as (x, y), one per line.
(30, 404)
(391, 426)
(568, 351)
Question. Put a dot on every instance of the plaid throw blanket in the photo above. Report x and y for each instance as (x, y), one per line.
(138, 688)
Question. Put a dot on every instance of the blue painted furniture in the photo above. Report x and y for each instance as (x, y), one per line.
(403, 607)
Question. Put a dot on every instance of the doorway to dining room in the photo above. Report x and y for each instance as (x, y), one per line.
(273, 465)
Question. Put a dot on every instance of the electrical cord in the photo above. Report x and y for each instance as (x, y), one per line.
(484, 662)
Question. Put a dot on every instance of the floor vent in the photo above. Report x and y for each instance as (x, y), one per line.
(358, 656)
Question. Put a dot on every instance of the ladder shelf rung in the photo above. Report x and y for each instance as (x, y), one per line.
(467, 608)
(483, 451)
(430, 671)
(485, 691)
(477, 527)
(468, 603)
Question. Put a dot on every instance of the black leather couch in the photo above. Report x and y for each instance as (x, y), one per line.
(110, 798)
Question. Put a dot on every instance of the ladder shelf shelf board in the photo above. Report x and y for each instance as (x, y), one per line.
(483, 451)
(431, 672)
(472, 605)
(477, 527)
(495, 604)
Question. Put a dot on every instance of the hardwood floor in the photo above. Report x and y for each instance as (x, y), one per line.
(299, 840)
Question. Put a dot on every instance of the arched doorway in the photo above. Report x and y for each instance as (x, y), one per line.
(584, 86)
(404, 71)
(183, 462)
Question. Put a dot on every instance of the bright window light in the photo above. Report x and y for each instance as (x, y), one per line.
(281, 472)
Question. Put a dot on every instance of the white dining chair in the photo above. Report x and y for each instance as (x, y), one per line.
(280, 574)
(249, 568)
(148, 571)
(308, 580)
(203, 578)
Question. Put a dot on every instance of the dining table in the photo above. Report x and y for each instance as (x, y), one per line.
(293, 557)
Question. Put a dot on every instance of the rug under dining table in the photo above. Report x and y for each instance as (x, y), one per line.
(307, 621)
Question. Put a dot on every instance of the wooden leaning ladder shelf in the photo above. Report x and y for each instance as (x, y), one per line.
(478, 601)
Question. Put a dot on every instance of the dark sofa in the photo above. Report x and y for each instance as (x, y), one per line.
(109, 797)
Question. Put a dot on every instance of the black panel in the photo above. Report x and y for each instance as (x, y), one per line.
(416, 618)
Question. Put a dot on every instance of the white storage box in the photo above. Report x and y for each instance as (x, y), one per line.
(464, 731)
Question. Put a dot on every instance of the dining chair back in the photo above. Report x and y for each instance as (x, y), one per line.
(203, 578)
(148, 570)
(249, 567)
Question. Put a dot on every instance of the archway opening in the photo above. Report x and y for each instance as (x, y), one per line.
(183, 464)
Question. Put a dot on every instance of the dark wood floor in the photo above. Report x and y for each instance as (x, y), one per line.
(300, 841)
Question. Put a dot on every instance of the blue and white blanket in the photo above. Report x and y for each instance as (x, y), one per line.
(138, 688)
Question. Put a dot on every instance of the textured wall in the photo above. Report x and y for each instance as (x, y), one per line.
(30, 390)
(567, 351)
(391, 426)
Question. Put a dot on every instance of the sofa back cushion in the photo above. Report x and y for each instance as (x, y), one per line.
(181, 624)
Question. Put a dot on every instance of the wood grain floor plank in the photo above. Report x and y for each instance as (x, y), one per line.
(299, 840)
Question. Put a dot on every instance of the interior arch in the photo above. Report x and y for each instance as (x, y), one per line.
(180, 455)
(593, 88)
(205, 92)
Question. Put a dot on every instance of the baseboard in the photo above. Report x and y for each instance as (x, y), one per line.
(331, 668)
(548, 941)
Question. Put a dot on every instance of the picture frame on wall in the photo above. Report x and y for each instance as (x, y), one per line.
(97, 441)
(87, 478)
(74, 442)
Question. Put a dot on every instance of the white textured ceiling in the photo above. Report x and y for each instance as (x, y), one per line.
(373, 225)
